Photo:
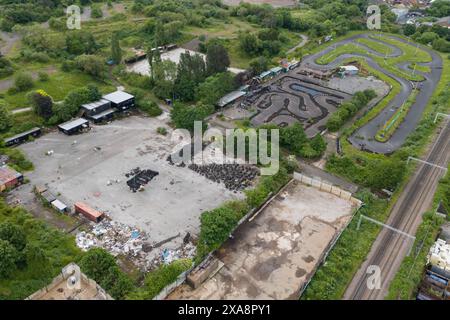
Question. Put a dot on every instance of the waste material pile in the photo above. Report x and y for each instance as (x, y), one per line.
(236, 177)
(140, 178)
(167, 256)
(117, 238)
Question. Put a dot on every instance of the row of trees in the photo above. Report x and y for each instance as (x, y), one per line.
(436, 35)
(348, 109)
(193, 78)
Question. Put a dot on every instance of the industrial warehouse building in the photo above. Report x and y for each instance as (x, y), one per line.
(9, 178)
(74, 126)
(22, 137)
(98, 111)
(120, 100)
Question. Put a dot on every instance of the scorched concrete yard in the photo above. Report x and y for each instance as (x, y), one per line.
(93, 168)
(274, 255)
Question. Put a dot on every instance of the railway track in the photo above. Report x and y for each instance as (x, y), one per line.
(390, 248)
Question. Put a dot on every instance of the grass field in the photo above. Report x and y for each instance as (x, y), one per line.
(58, 86)
(376, 46)
(385, 133)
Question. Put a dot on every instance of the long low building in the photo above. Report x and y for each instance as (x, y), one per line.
(230, 98)
(22, 137)
(98, 111)
(73, 126)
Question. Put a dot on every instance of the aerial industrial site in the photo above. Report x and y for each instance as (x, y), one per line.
(224, 150)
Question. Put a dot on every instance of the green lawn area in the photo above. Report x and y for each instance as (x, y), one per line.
(385, 133)
(59, 84)
(377, 46)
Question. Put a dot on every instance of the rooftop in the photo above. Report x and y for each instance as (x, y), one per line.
(73, 124)
(96, 104)
(230, 97)
(118, 96)
(7, 174)
(62, 289)
(22, 134)
(104, 113)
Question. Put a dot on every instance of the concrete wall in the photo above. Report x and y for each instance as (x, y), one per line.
(326, 187)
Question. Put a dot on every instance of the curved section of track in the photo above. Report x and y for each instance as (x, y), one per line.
(426, 88)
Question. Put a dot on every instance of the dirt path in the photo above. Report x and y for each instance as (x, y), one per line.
(299, 45)
(9, 39)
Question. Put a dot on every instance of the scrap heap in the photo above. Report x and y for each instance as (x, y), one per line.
(117, 238)
(140, 178)
(236, 177)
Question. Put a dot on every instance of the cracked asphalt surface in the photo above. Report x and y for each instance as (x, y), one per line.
(426, 88)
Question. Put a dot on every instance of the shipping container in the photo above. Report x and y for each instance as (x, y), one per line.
(88, 212)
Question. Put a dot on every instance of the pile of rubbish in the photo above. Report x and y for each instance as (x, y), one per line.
(140, 178)
(236, 177)
(167, 256)
(117, 238)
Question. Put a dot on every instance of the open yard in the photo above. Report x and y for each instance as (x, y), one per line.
(92, 168)
(274, 255)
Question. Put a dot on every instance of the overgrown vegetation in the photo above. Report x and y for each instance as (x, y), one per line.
(405, 284)
(32, 253)
(158, 279)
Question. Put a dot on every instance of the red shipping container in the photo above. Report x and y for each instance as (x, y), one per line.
(88, 212)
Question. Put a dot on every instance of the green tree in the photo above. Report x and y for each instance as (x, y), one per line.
(184, 116)
(217, 59)
(165, 73)
(91, 64)
(5, 117)
(191, 72)
(259, 65)
(23, 81)
(8, 258)
(116, 51)
(80, 42)
(214, 87)
(101, 266)
(42, 104)
(14, 234)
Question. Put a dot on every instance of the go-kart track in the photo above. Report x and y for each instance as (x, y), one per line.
(296, 98)
(364, 137)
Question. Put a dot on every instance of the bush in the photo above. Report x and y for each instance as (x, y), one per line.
(348, 109)
(150, 108)
(5, 118)
(158, 279)
(13, 234)
(161, 131)
(23, 82)
(101, 266)
(43, 76)
(9, 256)
(96, 12)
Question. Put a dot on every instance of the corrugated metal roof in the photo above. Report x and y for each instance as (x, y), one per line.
(118, 96)
(73, 124)
(103, 114)
(230, 97)
(22, 134)
(96, 104)
(8, 174)
(59, 205)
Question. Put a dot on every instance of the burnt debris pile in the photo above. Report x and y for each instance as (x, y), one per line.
(235, 176)
(139, 178)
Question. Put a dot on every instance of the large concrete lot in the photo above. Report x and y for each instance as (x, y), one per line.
(170, 204)
(274, 255)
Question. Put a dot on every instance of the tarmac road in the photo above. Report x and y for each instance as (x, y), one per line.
(426, 88)
(390, 248)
